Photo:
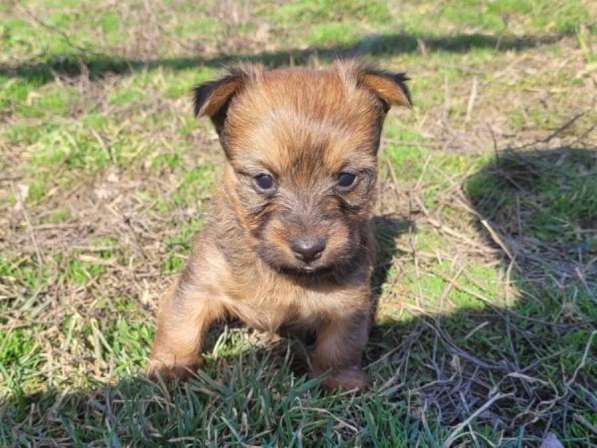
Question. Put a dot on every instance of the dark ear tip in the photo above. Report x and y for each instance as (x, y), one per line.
(402, 78)
(201, 94)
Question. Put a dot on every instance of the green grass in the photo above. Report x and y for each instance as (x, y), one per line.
(486, 223)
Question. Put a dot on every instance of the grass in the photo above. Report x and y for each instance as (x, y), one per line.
(486, 223)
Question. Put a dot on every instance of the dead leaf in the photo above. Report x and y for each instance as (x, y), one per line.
(551, 441)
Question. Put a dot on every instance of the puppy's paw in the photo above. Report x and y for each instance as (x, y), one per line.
(352, 378)
(169, 372)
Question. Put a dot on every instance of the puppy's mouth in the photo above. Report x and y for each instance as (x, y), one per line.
(306, 270)
(297, 268)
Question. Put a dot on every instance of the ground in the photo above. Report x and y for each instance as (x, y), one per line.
(486, 223)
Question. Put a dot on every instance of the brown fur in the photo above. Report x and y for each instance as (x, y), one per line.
(302, 127)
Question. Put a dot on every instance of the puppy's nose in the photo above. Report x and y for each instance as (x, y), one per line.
(308, 248)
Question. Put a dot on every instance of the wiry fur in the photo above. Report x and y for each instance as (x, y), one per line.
(303, 127)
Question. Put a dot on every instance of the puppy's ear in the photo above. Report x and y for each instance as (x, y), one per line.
(210, 97)
(213, 98)
(389, 87)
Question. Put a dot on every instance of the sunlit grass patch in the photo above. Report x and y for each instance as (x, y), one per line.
(334, 34)
(310, 11)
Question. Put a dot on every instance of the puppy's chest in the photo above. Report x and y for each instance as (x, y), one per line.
(269, 307)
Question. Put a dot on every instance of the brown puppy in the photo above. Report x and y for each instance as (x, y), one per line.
(288, 244)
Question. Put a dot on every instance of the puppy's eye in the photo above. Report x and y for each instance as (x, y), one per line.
(346, 180)
(264, 182)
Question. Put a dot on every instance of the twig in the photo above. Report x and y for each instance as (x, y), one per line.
(583, 361)
(326, 412)
(394, 179)
(38, 252)
(463, 353)
(10, 178)
(562, 128)
(583, 421)
(443, 227)
(449, 286)
(105, 147)
(423, 171)
(471, 100)
(581, 137)
(456, 432)
(446, 99)
(583, 280)
(554, 134)
(496, 238)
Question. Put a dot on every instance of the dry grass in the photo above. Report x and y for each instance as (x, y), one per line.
(487, 225)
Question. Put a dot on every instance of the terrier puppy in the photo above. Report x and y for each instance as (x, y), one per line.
(288, 244)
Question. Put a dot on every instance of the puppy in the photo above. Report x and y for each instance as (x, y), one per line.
(288, 242)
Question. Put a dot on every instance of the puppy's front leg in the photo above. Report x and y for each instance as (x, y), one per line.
(338, 349)
(183, 320)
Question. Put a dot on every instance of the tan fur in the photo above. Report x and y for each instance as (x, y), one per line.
(304, 128)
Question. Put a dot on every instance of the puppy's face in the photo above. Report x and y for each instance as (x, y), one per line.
(302, 148)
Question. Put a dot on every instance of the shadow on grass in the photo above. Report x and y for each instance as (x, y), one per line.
(517, 360)
(99, 65)
(530, 347)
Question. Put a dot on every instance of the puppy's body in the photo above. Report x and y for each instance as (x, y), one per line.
(288, 243)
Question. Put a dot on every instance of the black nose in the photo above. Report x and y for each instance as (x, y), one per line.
(308, 248)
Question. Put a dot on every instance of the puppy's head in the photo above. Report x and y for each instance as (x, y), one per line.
(302, 149)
